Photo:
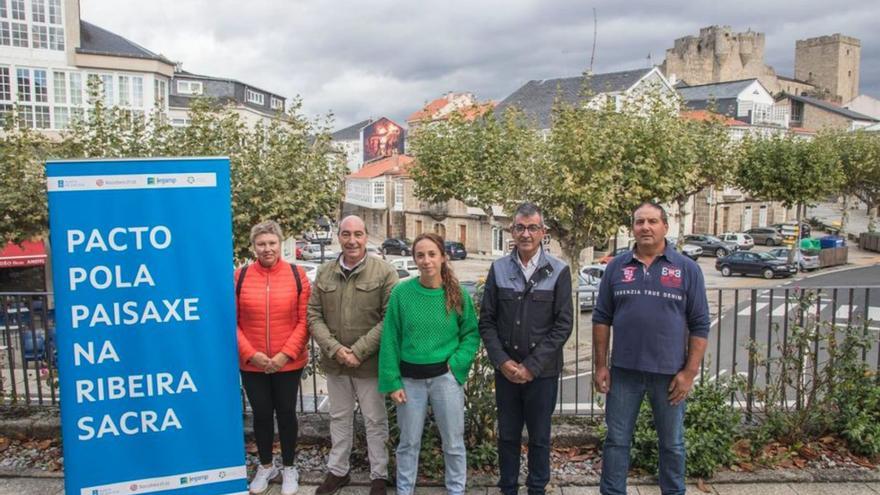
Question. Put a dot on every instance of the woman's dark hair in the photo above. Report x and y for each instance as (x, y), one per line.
(450, 283)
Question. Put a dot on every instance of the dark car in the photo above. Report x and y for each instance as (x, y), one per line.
(767, 236)
(455, 250)
(396, 246)
(712, 246)
(747, 263)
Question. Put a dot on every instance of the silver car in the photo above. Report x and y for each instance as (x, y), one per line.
(806, 259)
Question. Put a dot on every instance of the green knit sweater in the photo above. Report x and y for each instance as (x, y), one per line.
(417, 329)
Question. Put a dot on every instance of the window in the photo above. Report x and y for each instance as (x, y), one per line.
(40, 36)
(254, 97)
(41, 87)
(55, 12)
(4, 33)
(189, 87)
(124, 93)
(160, 89)
(38, 10)
(56, 38)
(41, 117)
(24, 84)
(107, 88)
(3, 12)
(5, 85)
(62, 117)
(398, 195)
(277, 103)
(60, 88)
(379, 192)
(137, 91)
(19, 35)
(181, 122)
(17, 9)
(76, 89)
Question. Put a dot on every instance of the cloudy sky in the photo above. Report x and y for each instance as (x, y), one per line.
(372, 58)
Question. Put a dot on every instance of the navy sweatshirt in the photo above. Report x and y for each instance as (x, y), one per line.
(652, 310)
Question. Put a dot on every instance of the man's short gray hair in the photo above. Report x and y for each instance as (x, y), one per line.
(267, 227)
(527, 210)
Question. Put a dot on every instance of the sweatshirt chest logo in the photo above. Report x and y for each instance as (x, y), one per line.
(629, 274)
(670, 276)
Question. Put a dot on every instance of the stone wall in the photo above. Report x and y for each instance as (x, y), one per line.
(830, 62)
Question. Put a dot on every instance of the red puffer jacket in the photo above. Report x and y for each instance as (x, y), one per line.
(271, 318)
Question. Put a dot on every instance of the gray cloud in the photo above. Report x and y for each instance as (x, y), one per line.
(360, 59)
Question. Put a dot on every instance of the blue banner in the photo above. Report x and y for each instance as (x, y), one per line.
(145, 317)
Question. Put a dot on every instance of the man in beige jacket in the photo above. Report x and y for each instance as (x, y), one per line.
(345, 315)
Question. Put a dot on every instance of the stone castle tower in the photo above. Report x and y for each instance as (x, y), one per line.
(719, 54)
(830, 63)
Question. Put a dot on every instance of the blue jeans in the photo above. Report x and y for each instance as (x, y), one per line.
(628, 387)
(531, 404)
(447, 402)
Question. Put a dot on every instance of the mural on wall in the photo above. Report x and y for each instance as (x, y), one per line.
(381, 138)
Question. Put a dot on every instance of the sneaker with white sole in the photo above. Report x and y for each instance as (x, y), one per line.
(261, 479)
(290, 480)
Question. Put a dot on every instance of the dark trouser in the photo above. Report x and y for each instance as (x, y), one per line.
(530, 404)
(273, 395)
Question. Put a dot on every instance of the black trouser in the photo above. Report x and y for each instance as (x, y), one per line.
(531, 404)
(273, 395)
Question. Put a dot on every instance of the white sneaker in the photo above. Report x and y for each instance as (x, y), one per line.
(290, 480)
(261, 479)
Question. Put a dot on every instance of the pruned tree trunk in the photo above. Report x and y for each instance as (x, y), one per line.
(844, 215)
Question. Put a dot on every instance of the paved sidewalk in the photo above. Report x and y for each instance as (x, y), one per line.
(43, 486)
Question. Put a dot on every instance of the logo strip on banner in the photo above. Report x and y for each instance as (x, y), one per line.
(171, 482)
(132, 181)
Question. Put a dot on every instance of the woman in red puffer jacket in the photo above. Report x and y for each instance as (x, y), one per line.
(272, 350)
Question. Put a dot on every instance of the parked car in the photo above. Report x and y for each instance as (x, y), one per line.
(743, 241)
(806, 260)
(610, 256)
(593, 273)
(692, 251)
(767, 236)
(455, 250)
(402, 274)
(311, 270)
(374, 250)
(711, 245)
(396, 246)
(313, 252)
(754, 263)
(320, 236)
(588, 292)
(407, 264)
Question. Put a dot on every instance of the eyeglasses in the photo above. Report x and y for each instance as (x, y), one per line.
(533, 228)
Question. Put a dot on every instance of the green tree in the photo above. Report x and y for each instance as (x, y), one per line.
(859, 155)
(476, 162)
(23, 209)
(788, 169)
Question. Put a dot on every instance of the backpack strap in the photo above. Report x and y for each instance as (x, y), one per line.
(299, 286)
(241, 275)
(240, 281)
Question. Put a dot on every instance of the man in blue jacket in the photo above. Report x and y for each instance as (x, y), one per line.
(655, 298)
(525, 319)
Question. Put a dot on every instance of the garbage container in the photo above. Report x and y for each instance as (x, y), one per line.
(832, 241)
(810, 244)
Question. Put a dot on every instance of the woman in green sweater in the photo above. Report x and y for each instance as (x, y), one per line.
(429, 340)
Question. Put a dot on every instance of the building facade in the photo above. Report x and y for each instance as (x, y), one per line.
(252, 104)
(49, 57)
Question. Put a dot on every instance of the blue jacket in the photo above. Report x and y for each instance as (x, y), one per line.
(653, 310)
(527, 321)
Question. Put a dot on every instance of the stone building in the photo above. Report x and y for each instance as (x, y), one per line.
(830, 63)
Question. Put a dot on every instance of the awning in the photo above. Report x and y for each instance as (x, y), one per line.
(29, 253)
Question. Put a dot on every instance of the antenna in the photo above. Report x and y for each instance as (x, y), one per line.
(595, 34)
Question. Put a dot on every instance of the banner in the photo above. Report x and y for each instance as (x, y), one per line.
(145, 320)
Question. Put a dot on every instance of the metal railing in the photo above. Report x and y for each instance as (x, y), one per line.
(747, 326)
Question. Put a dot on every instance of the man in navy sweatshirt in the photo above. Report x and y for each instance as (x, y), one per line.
(655, 299)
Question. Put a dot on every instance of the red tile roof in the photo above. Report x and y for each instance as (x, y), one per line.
(390, 165)
(469, 113)
(705, 115)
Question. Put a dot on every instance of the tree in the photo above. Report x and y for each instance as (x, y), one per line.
(475, 162)
(788, 169)
(285, 170)
(859, 155)
(23, 209)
